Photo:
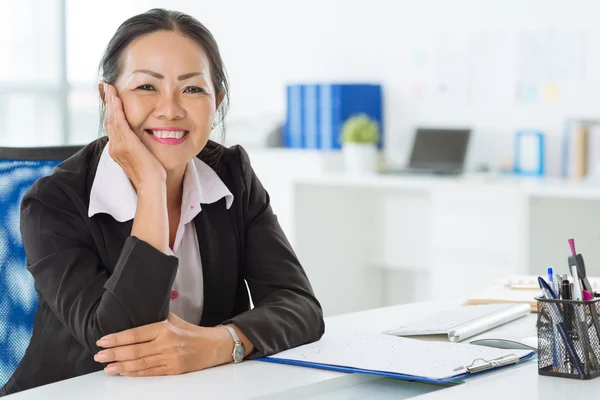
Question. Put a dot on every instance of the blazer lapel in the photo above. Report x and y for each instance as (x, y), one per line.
(219, 255)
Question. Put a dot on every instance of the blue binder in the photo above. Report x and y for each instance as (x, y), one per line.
(294, 128)
(316, 112)
(312, 116)
(525, 152)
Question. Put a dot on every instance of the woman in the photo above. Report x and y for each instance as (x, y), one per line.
(141, 244)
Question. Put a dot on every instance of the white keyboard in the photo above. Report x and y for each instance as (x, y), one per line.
(462, 322)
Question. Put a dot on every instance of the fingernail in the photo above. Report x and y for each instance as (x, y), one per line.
(111, 369)
(101, 357)
(102, 343)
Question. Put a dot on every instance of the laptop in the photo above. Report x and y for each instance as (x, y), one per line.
(437, 151)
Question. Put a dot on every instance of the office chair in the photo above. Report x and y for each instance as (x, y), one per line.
(19, 169)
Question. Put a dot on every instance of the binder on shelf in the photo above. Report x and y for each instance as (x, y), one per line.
(294, 128)
(580, 145)
(401, 358)
(529, 153)
(311, 115)
(316, 112)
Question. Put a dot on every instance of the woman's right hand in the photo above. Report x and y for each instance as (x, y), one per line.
(146, 173)
(126, 148)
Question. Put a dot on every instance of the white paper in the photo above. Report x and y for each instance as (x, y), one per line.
(452, 69)
(493, 72)
(386, 353)
(546, 62)
(529, 153)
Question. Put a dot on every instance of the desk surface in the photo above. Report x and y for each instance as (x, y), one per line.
(534, 186)
(259, 380)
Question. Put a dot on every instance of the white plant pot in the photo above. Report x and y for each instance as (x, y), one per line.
(360, 158)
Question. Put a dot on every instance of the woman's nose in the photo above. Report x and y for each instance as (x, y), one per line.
(168, 107)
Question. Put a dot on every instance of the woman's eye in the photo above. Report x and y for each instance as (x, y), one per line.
(146, 87)
(193, 89)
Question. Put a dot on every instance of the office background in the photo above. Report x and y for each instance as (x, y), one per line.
(496, 66)
(476, 49)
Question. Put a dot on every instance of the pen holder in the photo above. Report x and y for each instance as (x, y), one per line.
(568, 338)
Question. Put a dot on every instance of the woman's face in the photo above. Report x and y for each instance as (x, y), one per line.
(168, 97)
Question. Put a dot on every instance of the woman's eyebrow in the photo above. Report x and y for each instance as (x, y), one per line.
(159, 76)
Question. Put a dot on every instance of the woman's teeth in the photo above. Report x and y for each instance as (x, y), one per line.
(169, 134)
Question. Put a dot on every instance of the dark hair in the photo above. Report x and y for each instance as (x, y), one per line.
(159, 19)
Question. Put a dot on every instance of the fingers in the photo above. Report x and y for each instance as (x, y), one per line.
(156, 371)
(118, 117)
(127, 353)
(141, 334)
(108, 113)
(114, 117)
(141, 364)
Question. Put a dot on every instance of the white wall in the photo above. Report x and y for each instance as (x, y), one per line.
(267, 43)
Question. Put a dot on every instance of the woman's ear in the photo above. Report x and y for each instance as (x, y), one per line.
(101, 91)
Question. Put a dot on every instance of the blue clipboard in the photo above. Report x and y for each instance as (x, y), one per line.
(449, 381)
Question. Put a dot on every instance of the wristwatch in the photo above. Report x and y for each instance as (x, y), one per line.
(238, 350)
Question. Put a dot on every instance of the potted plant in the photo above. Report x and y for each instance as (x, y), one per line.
(359, 138)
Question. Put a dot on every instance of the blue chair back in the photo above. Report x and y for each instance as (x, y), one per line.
(19, 169)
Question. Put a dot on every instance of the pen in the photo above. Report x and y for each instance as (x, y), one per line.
(551, 280)
(567, 295)
(566, 289)
(554, 287)
(568, 309)
(558, 283)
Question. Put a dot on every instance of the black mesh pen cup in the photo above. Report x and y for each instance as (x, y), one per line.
(568, 338)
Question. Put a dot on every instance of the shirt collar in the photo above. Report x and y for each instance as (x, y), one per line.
(112, 192)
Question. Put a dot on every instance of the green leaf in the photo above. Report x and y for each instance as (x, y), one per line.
(359, 128)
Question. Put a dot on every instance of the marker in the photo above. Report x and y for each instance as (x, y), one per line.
(576, 285)
(572, 246)
(566, 289)
(577, 259)
(551, 280)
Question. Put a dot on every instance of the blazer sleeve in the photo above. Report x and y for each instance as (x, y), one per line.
(286, 312)
(69, 275)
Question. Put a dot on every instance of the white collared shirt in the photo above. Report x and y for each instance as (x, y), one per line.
(112, 193)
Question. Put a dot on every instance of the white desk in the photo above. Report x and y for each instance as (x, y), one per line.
(259, 380)
(373, 241)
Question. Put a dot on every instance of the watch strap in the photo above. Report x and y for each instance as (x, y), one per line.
(239, 345)
(234, 334)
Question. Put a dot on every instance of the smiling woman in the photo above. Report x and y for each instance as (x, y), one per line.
(141, 245)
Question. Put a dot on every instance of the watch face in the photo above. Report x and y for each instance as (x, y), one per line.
(238, 353)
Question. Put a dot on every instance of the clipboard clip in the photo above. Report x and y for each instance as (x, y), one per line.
(480, 364)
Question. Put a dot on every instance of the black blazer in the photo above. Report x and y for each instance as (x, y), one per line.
(92, 278)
